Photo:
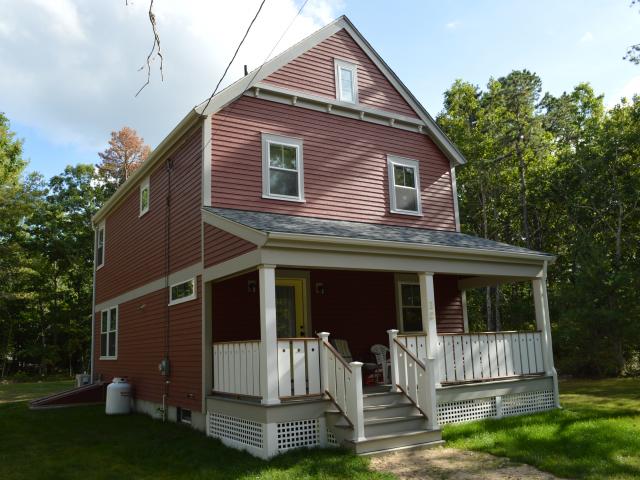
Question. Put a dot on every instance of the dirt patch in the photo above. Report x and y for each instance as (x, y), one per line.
(451, 464)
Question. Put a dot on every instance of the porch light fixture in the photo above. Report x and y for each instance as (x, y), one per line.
(320, 288)
(252, 287)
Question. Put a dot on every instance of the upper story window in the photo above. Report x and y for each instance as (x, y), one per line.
(282, 173)
(182, 292)
(404, 186)
(100, 246)
(346, 81)
(109, 334)
(144, 196)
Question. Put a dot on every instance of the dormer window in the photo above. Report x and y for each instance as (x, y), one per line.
(100, 246)
(404, 186)
(144, 196)
(346, 81)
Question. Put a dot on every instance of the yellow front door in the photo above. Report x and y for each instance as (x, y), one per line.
(290, 307)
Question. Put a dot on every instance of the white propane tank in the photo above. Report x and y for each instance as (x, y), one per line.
(118, 397)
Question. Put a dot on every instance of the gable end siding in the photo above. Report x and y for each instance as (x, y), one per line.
(314, 72)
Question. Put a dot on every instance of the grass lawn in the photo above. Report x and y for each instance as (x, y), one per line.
(82, 442)
(18, 392)
(596, 434)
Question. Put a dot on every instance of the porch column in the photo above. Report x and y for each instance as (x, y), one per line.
(543, 323)
(428, 308)
(268, 335)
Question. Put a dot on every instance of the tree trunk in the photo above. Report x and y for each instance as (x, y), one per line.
(498, 321)
(523, 194)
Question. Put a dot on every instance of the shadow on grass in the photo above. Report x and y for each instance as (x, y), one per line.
(595, 435)
(82, 442)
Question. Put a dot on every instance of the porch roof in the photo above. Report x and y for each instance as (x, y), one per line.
(268, 223)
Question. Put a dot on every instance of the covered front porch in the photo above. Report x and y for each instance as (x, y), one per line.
(273, 317)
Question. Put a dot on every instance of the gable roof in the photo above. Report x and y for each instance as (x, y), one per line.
(239, 87)
(233, 91)
(277, 223)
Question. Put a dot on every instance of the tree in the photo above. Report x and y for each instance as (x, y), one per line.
(633, 53)
(125, 154)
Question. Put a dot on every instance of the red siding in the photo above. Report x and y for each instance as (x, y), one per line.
(357, 306)
(135, 246)
(220, 246)
(141, 347)
(314, 71)
(345, 165)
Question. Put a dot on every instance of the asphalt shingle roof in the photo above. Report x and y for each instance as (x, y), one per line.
(276, 222)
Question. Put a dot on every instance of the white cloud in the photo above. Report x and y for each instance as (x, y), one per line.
(586, 38)
(631, 88)
(453, 24)
(70, 67)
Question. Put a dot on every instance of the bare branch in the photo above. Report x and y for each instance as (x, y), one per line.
(155, 50)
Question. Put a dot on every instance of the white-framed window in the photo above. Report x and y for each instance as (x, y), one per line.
(346, 81)
(182, 291)
(282, 168)
(100, 238)
(410, 311)
(145, 196)
(109, 334)
(404, 186)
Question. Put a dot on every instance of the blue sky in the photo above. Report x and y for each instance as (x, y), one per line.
(65, 103)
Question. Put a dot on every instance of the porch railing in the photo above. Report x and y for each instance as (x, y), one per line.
(481, 356)
(416, 378)
(236, 367)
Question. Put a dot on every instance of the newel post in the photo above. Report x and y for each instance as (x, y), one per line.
(393, 354)
(324, 367)
(357, 401)
(268, 335)
(543, 323)
(431, 400)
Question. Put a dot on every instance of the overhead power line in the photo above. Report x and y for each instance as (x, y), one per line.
(234, 55)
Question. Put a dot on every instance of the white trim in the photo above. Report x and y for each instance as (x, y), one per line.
(338, 65)
(392, 161)
(454, 188)
(108, 331)
(206, 160)
(102, 226)
(400, 280)
(234, 228)
(145, 184)
(267, 140)
(465, 315)
(188, 298)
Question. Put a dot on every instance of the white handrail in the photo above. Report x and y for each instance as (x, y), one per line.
(342, 382)
(415, 378)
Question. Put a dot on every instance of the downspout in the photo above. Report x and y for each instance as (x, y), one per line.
(93, 306)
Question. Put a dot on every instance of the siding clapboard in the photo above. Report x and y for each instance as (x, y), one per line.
(141, 347)
(135, 246)
(345, 165)
(220, 246)
(314, 72)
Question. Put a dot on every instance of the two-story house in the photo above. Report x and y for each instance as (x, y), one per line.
(300, 217)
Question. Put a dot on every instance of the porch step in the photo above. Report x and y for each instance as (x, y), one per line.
(385, 398)
(390, 442)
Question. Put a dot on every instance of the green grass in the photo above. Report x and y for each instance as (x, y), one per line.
(82, 442)
(20, 392)
(596, 434)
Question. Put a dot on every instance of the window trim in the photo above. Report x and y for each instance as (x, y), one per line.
(108, 310)
(193, 296)
(101, 226)
(144, 184)
(404, 279)
(353, 67)
(267, 140)
(393, 160)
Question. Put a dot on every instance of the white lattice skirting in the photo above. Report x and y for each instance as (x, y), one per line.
(495, 407)
(254, 436)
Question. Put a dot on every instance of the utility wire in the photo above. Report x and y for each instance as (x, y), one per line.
(278, 42)
(234, 55)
